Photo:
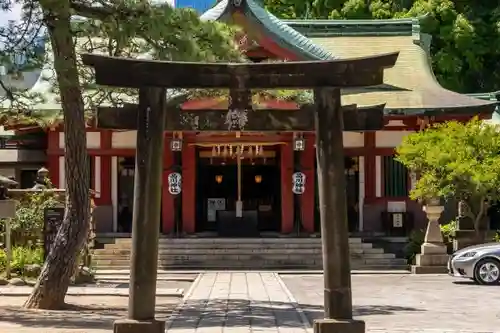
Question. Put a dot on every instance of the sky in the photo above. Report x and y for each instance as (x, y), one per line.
(14, 14)
(202, 5)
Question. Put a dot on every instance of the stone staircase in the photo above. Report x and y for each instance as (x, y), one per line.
(244, 253)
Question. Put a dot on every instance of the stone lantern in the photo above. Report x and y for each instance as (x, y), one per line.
(41, 179)
(433, 257)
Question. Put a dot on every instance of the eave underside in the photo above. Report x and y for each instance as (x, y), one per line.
(258, 21)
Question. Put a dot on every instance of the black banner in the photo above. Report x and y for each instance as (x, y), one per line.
(52, 220)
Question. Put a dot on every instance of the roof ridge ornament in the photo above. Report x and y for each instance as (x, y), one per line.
(237, 3)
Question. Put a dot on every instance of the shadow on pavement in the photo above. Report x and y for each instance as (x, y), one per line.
(365, 310)
(204, 313)
(470, 283)
(261, 314)
(76, 317)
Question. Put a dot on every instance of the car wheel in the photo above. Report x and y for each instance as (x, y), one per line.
(487, 272)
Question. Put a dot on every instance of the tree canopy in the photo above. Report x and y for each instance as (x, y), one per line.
(137, 29)
(466, 34)
(455, 161)
(116, 28)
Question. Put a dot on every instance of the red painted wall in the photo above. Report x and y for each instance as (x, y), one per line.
(307, 198)
(188, 188)
(167, 210)
(369, 153)
(105, 195)
(286, 188)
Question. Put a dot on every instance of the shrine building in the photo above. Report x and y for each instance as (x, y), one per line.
(273, 173)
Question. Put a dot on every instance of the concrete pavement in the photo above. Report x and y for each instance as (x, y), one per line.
(409, 303)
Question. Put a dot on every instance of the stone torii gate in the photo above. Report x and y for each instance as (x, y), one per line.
(151, 117)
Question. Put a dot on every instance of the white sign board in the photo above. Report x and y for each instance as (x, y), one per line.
(174, 183)
(298, 183)
(397, 220)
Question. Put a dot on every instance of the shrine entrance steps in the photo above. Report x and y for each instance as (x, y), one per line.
(245, 253)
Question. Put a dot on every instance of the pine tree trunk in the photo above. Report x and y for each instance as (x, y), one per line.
(52, 285)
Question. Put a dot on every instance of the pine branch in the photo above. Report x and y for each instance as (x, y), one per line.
(104, 11)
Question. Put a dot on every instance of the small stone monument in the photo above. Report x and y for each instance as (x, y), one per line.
(466, 235)
(433, 257)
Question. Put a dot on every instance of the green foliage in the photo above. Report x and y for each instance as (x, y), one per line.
(27, 225)
(417, 236)
(454, 160)
(465, 33)
(447, 230)
(412, 248)
(127, 28)
(22, 256)
(497, 237)
(3, 260)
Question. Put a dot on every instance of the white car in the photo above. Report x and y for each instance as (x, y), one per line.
(480, 263)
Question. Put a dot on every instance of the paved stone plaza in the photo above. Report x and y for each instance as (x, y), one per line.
(409, 303)
(238, 302)
(267, 302)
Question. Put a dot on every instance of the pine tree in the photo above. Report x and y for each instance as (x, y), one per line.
(127, 28)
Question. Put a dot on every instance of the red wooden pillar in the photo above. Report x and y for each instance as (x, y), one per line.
(369, 166)
(188, 188)
(53, 157)
(105, 192)
(286, 188)
(307, 198)
(167, 205)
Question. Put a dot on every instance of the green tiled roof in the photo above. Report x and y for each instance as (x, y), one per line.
(292, 39)
(335, 28)
(491, 96)
(283, 34)
(215, 13)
